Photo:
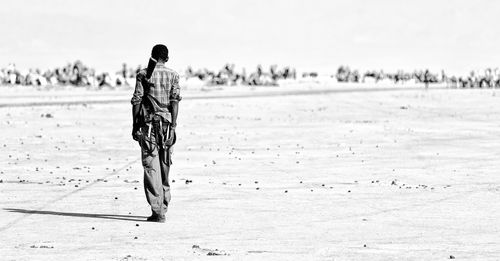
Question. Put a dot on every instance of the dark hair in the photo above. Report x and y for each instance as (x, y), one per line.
(159, 52)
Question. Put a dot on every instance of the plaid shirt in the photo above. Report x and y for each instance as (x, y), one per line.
(164, 89)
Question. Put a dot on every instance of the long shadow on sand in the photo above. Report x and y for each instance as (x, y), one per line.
(71, 214)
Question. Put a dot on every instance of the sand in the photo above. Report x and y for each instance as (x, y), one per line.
(385, 175)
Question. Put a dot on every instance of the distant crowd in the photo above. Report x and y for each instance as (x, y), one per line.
(78, 74)
(229, 76)
(489, 78)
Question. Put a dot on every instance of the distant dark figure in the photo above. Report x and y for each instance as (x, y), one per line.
(76, 76)
(427, 78)
(124, 71)
(259, 70)
(104, 80)
(343, 73)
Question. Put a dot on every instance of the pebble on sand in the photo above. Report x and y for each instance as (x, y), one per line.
(47, 115)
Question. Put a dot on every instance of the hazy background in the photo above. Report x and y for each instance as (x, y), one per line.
(454, 35)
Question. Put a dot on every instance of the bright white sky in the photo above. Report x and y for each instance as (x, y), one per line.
(455, 35)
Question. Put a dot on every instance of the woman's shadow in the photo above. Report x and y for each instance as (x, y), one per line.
(72, 214)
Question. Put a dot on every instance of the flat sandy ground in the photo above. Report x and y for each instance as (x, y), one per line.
(393, 175)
